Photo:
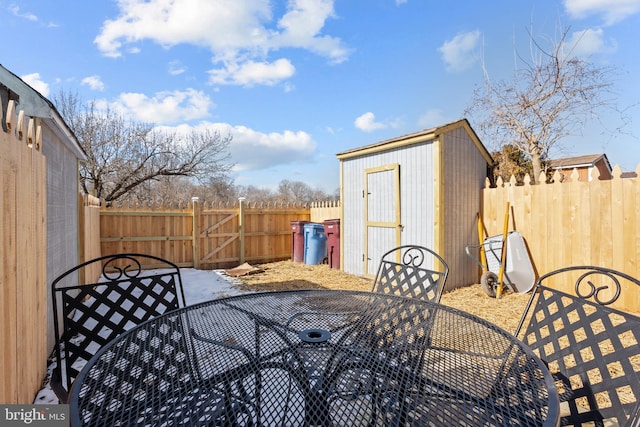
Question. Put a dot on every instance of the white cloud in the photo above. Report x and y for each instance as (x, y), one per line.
(239, 33)
(588, 42)
(165, 107)
(250, 73)
(176, 68)
(301, 26)
(15, 10)
(432, 118)
(367, 123)
(217, 24)
(332, 131)
(35, 82)
(459, 53)
(94, 82)
(612, 11)
(252, 150)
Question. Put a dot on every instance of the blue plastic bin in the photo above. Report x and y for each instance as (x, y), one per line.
(315, 244)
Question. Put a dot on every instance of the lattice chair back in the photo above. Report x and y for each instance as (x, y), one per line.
(88, 315)
(592, 349)
(635, 421)
(412, 271)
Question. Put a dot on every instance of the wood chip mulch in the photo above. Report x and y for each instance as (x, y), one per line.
(287, 275)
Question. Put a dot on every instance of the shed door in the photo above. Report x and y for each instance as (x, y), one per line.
(381, 214)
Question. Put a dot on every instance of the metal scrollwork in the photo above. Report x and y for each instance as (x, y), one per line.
(113, 270)
(413, 257)
(585, 287)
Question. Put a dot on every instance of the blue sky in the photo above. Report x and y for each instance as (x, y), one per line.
(296, 82)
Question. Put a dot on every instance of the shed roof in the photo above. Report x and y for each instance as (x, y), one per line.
(579, 161)
(34, 104)
(416, 138)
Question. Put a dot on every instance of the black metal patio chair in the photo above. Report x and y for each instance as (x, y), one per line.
(87, 315)
(412, 271)
(591, 348)
(635, 421)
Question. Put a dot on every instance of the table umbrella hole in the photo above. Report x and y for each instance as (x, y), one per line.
(314, 335)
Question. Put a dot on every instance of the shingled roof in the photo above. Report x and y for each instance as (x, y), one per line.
(579, 161)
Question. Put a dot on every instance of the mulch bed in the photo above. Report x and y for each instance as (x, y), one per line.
(287, 275)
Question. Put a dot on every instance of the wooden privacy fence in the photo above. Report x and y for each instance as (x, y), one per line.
(155, 230)
(322, 211)
(220, 235)
(573, 222)
(89, 226)
(23, 266)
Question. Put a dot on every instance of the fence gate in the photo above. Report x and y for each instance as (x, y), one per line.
(218, 237)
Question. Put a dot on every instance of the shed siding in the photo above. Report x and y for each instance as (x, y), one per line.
(416, 200)
(352, 228)
(464, 173)
(62, 213)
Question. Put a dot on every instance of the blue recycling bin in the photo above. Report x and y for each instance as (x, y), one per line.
(315, 244)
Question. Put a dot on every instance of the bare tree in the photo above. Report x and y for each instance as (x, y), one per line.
(551, 96)
(300, 192)
(294, 191)
(218, 189)
(287, 192)
(123, 154)
(256, 194)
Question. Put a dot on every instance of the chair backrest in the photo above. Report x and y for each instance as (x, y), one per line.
(144, 365)
(412, 271)
(592, 349)
(635, 420)
(88, 315)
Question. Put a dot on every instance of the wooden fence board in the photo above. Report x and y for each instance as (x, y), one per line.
(8, 291)
(574, 223)
(322, 211)
(22, 260)
(211, 232)
(89, 217)
(164, 233)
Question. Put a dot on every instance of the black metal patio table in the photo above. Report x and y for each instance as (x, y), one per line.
(317, 358)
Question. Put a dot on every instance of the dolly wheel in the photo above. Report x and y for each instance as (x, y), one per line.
(489, 283)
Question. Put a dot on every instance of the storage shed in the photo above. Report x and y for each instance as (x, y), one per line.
(423, 189)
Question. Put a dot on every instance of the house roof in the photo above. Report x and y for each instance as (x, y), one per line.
(579, 161)
(418, 137)
(35, 105)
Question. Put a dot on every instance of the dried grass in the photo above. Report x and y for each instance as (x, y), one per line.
(287, 275)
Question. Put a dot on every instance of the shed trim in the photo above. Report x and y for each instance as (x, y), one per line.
(395, 225)
(438, 195)
(474, 137)
(417, 138)
(388, 145)
(34, 104)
